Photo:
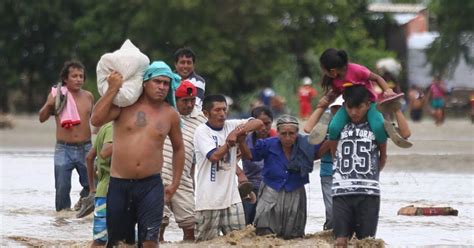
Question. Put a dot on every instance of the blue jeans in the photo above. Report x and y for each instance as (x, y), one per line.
(66, 159)
(250, 209)
(326, 184)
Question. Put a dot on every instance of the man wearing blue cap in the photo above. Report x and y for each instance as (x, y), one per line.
(136, 193)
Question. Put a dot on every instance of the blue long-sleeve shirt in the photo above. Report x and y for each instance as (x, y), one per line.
(275, 171)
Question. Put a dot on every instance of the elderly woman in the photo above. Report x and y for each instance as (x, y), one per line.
(288, 158)
(253, 169)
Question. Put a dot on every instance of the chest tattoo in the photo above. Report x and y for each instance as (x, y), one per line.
(141, 119)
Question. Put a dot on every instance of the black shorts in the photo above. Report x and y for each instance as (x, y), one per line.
(131, 202)
(355, 213)
(416, 114)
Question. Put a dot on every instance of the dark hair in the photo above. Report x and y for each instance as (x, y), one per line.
(71, 64)
(209, 101)
(332, 59)
(355, 95)
(257, 111)
(184, 51)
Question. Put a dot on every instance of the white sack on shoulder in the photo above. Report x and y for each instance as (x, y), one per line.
(131, 63)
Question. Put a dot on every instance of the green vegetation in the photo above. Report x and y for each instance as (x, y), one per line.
(240, 45)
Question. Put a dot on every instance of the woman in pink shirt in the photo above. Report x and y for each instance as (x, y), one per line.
(437, 94)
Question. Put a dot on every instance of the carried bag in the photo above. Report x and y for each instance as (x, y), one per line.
(129, 62)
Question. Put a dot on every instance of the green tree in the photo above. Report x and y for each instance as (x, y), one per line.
(240, 45)
(36, 38)
(456, 35)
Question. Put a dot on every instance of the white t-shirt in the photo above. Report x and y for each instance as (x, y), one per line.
(216, 187)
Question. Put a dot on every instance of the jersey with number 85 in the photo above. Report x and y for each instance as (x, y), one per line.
(356, 168)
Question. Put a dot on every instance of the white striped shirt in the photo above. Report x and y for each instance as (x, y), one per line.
(189, 124)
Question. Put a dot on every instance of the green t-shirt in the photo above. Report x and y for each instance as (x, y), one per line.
(104, 136)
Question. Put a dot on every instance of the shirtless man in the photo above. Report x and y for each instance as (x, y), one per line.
(135, 192)
(72, 142)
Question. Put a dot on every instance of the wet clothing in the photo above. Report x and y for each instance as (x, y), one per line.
(182, 202)
(275, 171)
(67, 157)
(210, 222)
(281, 208)
(416, 114)
(357, 214)
(280, 212)
(357, 162)
(131, 202)
(302, 156)
(355, 188)
(104, 136)
(250, 209)
(325, 173)
(99, 226)
(326, 185)
(217, 192)
(253, 171)
(216, 185)
(326, 165)
(182, 206)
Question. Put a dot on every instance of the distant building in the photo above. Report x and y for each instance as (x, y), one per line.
(419, 71)
(409, 36)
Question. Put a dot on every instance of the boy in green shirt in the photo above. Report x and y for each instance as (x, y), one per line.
(102, 149)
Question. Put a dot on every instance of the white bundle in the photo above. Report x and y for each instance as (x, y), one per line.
(129, 62)
(389, 65)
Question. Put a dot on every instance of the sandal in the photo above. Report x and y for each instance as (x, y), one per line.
(395, 135)
(390, 104)
(319, 131)
(87, 206)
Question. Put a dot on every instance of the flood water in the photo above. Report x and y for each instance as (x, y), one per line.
(437, 171)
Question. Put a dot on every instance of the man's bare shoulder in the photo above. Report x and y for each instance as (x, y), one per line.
(88, 94)
(172, 112)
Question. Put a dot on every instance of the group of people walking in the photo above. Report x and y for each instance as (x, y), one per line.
(158, 157)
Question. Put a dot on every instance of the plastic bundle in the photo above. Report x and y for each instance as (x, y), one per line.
(129, 62)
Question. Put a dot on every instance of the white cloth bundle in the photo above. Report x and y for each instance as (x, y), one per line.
(131, 63)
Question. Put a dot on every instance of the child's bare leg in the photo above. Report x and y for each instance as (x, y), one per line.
(313, 119)
(320, 108)
(403, 128)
